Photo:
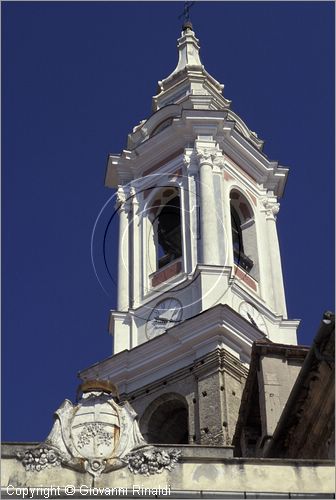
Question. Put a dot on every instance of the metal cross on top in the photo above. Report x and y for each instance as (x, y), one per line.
(186, 12)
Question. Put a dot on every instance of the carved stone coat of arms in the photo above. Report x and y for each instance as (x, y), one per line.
(97, 435)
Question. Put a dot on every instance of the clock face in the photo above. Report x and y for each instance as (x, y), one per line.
(166, 314)
(253, 316)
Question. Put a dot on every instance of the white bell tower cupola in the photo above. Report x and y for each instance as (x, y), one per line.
(197, 201)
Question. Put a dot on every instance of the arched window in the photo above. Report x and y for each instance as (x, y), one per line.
(165, 215)
(169, 232)
(244, 238)
(166, 420)
(237, 236)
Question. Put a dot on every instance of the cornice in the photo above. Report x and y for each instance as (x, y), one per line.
(217, 327)
(182, 132)
(219, 359)
(238, 289)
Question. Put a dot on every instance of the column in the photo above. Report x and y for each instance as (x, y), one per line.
(134, 249)
(123, 251)
(227, 245)
(190, 209)
(208, 215)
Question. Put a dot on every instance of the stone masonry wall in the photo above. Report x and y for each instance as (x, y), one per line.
(210, 388)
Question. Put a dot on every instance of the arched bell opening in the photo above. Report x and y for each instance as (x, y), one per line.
(244, 236)
(166, 221)
(169, 232)
(166, 421)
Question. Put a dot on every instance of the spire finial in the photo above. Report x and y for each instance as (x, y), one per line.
(186, 15)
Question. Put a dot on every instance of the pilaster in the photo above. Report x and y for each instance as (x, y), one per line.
(135, 250)
(192, 208)
(271, 209)
(123, 206)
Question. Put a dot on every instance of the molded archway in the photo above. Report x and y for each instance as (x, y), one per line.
(244, 235)
(165, 421)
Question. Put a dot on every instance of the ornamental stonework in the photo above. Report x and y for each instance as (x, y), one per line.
(97, 435)
(271, 208)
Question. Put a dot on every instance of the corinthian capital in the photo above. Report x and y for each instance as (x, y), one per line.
(187, 160)
(271, 207)
(123, 200)
(210, 156)
(206, 155)
(133, 196)
(120, 197)
(219, 161)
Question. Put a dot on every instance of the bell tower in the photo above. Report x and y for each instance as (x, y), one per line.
(199, 270)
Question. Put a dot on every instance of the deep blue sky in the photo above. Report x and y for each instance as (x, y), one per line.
(76, 78)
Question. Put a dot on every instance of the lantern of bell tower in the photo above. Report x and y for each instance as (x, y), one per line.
(197, 200)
